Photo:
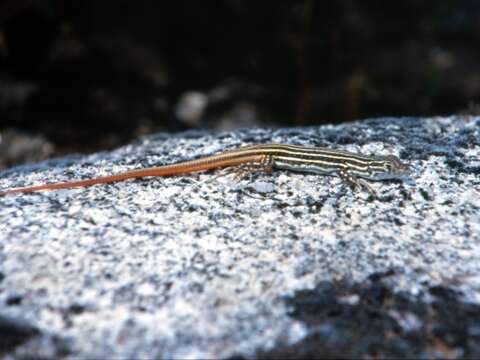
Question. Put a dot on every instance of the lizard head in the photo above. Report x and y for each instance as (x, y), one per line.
(388, 167)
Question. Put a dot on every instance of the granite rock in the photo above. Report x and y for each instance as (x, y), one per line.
(208, 265)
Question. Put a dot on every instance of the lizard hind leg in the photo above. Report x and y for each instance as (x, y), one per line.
(242, 171)
(265, 165)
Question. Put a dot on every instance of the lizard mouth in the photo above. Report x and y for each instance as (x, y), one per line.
(405, 170)
(403, 173)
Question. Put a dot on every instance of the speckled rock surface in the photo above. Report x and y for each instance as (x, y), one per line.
(279, 264)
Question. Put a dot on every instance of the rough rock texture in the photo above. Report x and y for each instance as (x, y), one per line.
(279, 264)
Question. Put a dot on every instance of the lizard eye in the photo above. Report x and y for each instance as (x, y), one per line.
(388, 167)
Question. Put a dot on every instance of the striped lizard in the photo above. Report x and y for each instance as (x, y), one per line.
(353, 168)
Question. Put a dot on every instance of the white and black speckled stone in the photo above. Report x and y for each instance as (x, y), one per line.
(199, 265)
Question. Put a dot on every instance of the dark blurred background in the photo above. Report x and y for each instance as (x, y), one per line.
(85, 75)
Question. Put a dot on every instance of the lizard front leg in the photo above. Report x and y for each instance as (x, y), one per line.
(356, 182)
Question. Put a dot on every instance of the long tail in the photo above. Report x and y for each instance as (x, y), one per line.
(206, 163)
